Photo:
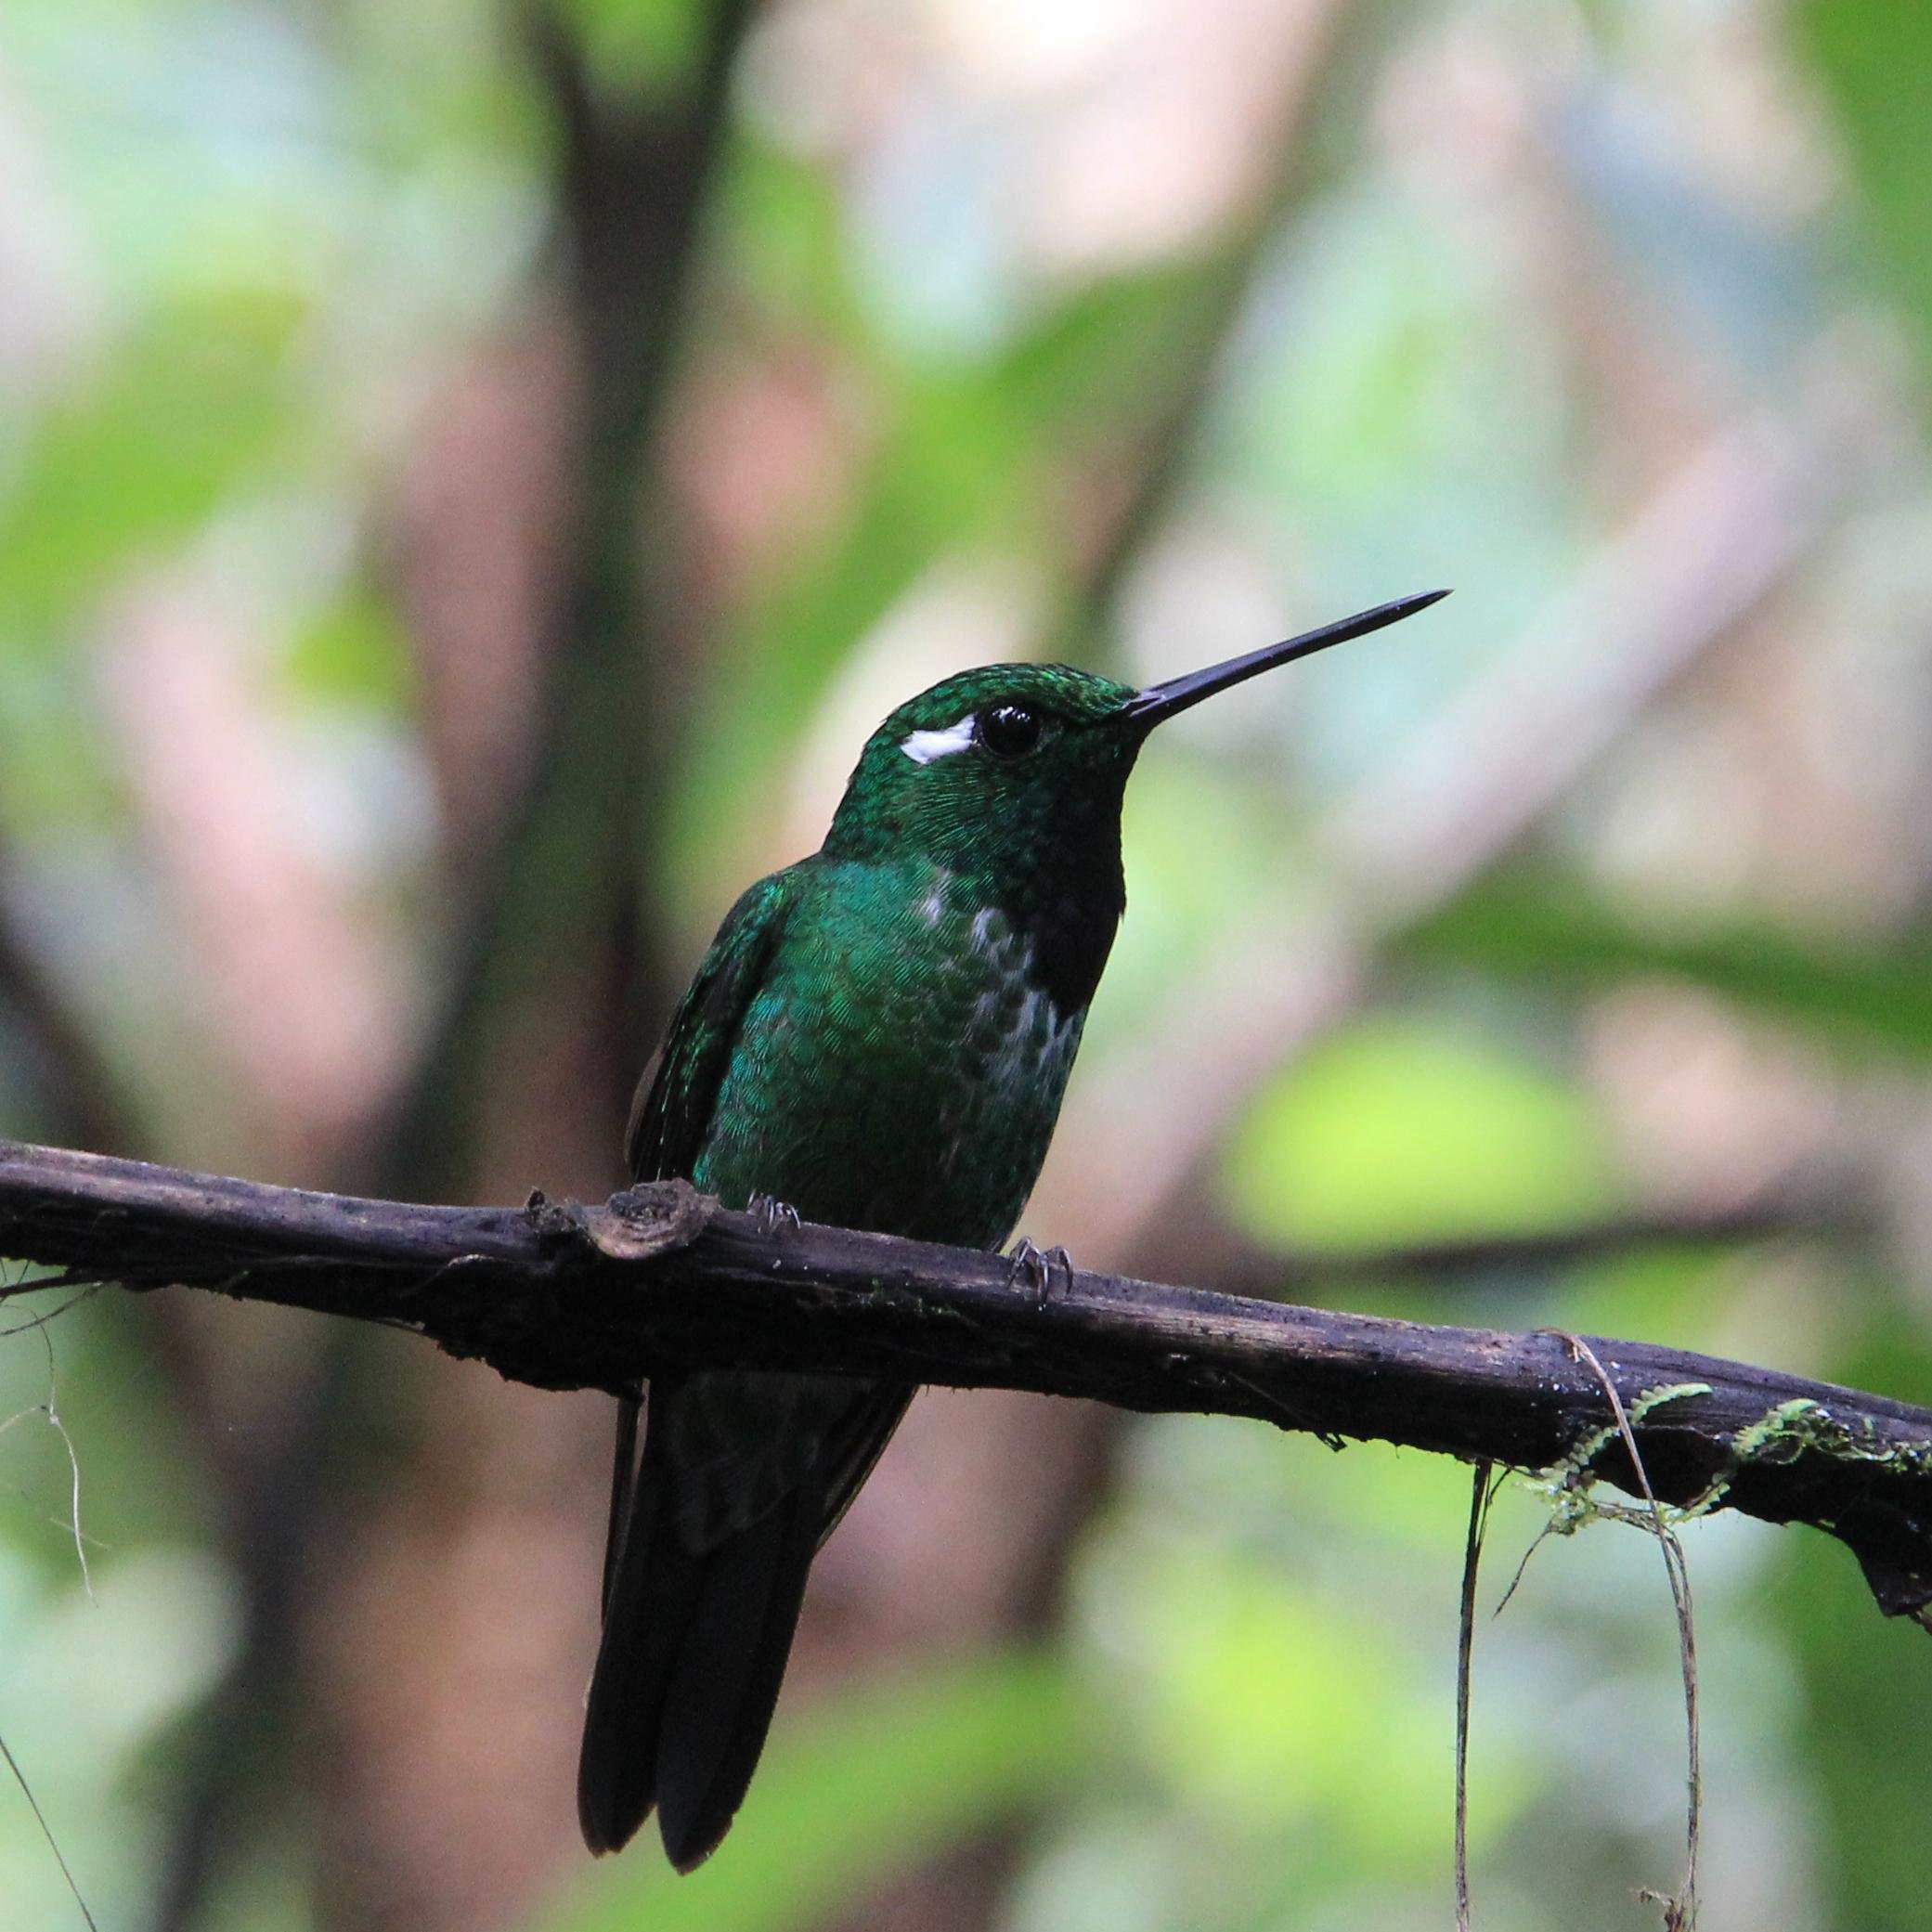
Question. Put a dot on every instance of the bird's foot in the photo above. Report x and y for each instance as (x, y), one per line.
(770, 1214)
(1035, 1268)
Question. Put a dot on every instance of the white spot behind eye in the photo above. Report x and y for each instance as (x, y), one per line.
(922, 748)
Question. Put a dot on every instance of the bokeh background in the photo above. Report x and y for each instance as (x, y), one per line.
(470, 475)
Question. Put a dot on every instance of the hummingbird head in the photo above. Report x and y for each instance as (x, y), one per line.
(986, 763)
(1010, 777)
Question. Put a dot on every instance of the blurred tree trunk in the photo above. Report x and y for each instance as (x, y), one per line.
(453, 1619)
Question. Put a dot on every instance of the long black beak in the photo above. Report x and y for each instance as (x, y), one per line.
(1163, 701)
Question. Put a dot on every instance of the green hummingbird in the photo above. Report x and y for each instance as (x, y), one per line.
(878, 1038)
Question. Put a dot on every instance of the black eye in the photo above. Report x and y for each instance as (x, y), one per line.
(1009, 731)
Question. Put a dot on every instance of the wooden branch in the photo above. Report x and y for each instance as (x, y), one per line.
(661, 1280)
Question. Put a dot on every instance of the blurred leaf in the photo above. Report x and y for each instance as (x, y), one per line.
(187, 406)
(87, 1688)
(1554, 929)
(637, 45)
(1868, 1686)
(1874, 60)
(855, 1793)
(353, 650)
(780, 225)
(1267, 1704)
(1280, 1624)
(1109, 353)
(56, 772)
(1402, 1130)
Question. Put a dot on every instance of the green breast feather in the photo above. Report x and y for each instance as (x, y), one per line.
(898, 1068)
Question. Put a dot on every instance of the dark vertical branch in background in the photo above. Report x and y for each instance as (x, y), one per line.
(633, 177)
(551, 927)
(556, 982)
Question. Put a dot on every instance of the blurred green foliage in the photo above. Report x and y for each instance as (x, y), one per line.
(859, 1793)
(1400, 1132)
(1869, 1001)
(1867, 1701)
(1867, 59)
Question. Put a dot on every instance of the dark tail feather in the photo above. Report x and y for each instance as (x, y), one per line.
(694, 1650)
(721, 1695)
(649, 1595)
(623, 1493)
